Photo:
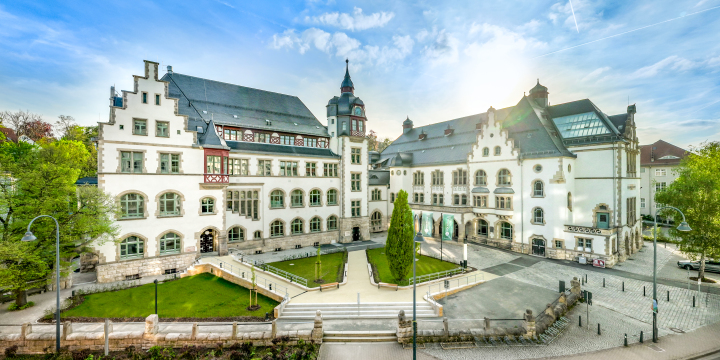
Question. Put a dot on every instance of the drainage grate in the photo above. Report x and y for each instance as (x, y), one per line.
(680, 331)
(409, 346)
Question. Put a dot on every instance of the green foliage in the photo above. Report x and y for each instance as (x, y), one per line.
(425, 265)
(697, 193)
(307, 267)
(161, 353)
(399, 246)
(40, 179)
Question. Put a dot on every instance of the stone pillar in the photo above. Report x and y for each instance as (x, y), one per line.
(575, 286)
(529, 323)
(274, 328)
(234, 330)
(66, 330)
(194, 331)
(487, 325)
(404, 331)
(151, 324)
(446, 328)
(25, 330)
(222, 243)
(317, 331)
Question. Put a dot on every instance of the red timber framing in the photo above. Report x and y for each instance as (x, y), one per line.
(240, 134)
(216, 173)
(357, 126)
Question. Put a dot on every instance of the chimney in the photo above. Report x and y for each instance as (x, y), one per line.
(169, 69)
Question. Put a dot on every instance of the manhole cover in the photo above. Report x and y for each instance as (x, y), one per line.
(680, 331)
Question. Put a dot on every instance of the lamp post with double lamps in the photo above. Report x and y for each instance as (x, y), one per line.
(30, 237)
(682, 227)
(418, 239)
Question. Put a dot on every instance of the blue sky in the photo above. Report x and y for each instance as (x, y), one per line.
(429, 60)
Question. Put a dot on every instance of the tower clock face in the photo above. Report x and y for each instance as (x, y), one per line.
(358, 111)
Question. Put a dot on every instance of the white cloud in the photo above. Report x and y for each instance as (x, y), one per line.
(529, 27)
(316, 37)
(596, 73)
(287, 39)
(586, 14)
(444, 48)
(673, 63)
(356, 21)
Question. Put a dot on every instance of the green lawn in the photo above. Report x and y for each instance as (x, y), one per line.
(306, 267)
(425, 265)
(200, 296)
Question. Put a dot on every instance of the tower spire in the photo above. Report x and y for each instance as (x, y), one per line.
(347, 85)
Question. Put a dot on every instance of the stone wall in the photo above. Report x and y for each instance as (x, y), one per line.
(347, 224)
(88, 262)
(117, 271)
(285, 242)
(29, 342)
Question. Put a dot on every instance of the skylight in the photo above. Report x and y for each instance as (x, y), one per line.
(579, 125)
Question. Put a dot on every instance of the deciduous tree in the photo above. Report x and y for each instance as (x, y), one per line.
(697, 193)
(399, 246)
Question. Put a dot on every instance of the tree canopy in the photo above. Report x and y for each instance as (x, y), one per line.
(696, 192)
(399, 246)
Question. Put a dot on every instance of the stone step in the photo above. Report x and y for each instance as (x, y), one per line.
(355, 308)
(357, 313)
(350, 315)
(358, 333)
(358, 339)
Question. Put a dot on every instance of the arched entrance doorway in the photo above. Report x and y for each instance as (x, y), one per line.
(482, 228)
(538, 247)
(627, 246)
(207, 241)
(457, 230)
(376, 221)
(468, 229)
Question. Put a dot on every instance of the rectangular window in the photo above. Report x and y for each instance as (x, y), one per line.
(440, 199)
(162, 129)
(463, 199)
(310, 169)
(237, 167)
(262, 137)
(460, 177)
(264, 168)
(355, 155)
(642, 203)
(660, 186)
(213, 164)
(144, 97)
(392, 197)
(355, 208)
(139, 127)
(287, 140)
(503, 202)
(330, 170)
(584, 245)
(360, 125)
(660, 172)
(480, 201)
(169, 163)
(157, 99)
(131, 162)
(355, 182)
(354, 125)
(437, 178)
(631, 215)
(558, 244)
(642, 169)
(456, 199)
(311, 142)
(288, 168)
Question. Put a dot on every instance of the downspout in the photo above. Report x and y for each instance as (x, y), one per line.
(615, 213)
(522, 206)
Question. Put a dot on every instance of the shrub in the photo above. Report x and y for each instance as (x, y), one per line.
(11, 351)
(81, 354)
(15, 307)
(161, 353)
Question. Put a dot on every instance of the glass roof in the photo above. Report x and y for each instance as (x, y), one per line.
(579, 125)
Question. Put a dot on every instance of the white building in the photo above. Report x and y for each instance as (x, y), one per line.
(657, 170)
(557, 181)
(200, 166)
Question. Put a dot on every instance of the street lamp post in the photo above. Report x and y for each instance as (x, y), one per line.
(30, 237)
(682, 227)
(156, 282)
(418, 239)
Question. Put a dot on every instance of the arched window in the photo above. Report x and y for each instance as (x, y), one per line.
(277, 228)
(207, 206)
(257, 234)
(276, 199)
(315, 224)
(569, 201)
(332, 223)
(170, 243)
(486, 152)
(132, 247)
(504, 177)
(169, 204)
(376, 219)
(506, 230)
(236, 234)
(538, 216)
(296, 198)
(332, 197)
(538, 189)
(296, 227)
(315, 197)
(132, 206)
(482, 228)
(480, 178)
(497, 150)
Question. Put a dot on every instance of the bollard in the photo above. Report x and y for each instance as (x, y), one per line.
(668, 293)
(580, 320)
(641, 336)
(643, 290)
(623, 286)
(599, 333)
(625, 339)
(73, 293)
(693, 300)
(586, 278)
(603, 282)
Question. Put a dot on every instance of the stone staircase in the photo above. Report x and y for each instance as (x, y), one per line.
(360, 336)
(355, 311)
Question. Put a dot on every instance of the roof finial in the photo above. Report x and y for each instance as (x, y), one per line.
(538, 81)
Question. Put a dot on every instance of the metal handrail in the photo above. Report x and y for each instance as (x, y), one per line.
(270, 285)
(471, 279)
(437, 275)
(292, 277)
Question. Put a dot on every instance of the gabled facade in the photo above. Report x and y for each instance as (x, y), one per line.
(657, 171)
(199, 166)
(558, 181)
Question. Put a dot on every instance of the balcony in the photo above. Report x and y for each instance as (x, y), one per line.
(357, 133)
(217, 178)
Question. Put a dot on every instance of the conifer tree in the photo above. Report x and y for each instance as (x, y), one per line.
(399, 246)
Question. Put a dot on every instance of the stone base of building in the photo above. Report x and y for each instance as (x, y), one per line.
(348, 224)
(285, 242)
(120, 270)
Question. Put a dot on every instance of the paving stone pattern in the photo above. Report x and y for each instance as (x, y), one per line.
(478, 256)
(677, 313)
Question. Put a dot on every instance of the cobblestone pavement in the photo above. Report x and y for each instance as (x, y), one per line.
(479, 257)
(367, 351)
(677, 313)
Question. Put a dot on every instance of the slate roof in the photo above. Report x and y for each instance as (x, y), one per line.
(241, 106)
(263, 148)
(379, 177)
(661, 149)
(209, 137)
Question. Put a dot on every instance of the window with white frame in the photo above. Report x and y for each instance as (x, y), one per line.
(437, 177)
(642, 203)
(355, 155)
(660, 186)
(418, 178)
(287, 140)
(355, 208)
(288, 168)
(504, 178)
(170, 243)
(310, 142)
(584, 245)
(538, 216)
(480, 201)
(503, 202)
(169, 163)
(355, 182)
(376, 195)
(660, 172)
(213, 164)
(497, 150)
(264, 168)
(310, 169)
(330, 170)
(460, 177)
(486, 152)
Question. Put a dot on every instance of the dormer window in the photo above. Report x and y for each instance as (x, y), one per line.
(358, 111)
